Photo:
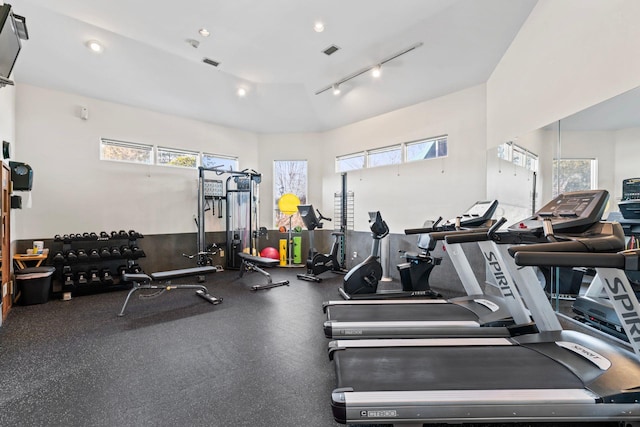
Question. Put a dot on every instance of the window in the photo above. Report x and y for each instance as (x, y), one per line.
(289, 177)
(384, 156)
(426, 149)
(418, 150)
(126, 151)
(173, 157)
(574, 175)
(518, 155)
(350, 162)
(222, 162)
(133, 152)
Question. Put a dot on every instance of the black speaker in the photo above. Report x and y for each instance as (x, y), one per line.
(6, 149)
(16, 202)
(21, 175)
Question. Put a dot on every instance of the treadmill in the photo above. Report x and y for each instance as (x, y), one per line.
(552, 376)
(594, 307)
(476, 315)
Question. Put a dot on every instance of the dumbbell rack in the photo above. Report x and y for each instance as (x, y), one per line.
(90, 262)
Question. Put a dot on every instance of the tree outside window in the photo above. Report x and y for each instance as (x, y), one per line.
(290, 177)
(574, 175)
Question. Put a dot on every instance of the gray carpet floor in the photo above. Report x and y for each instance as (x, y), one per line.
(257, 359)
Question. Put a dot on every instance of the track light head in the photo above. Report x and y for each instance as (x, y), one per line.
(376, 71)
(336, 89)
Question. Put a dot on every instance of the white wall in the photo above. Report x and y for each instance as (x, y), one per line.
(411, 193)
(7, 127)
(74, 191)
(272, 147)
(7, 114)
(569, 55)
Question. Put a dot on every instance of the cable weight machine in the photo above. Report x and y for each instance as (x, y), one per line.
(241, 212)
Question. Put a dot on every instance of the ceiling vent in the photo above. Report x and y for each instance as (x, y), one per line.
(210, 62)
(331, 50)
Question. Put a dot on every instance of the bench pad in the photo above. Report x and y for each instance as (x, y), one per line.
(267, 262)
(172, 274)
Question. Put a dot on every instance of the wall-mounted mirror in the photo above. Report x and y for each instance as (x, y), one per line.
(594, 148)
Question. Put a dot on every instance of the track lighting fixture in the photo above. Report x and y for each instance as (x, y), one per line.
(375, 69)
(336, 89)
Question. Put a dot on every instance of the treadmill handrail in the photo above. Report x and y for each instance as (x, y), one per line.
(573, 259)
(466, 238)
(441, 235)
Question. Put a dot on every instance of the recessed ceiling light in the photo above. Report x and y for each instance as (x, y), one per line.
(204, 32)
(95, 46)
(318, 27)
(242, 92)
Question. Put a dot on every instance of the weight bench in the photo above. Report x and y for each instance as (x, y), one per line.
(253, 263)
(143, 281)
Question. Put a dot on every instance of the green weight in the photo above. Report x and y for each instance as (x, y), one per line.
(297, 249)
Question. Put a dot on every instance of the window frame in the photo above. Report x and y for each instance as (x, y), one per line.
(148, 148)
(180, 152)
(402, 147)
(154, 151)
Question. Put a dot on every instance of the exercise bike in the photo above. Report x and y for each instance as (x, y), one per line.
(362, 281)
(318, 263)
(364, 277)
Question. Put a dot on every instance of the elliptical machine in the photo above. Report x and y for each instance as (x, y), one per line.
(364, 277)
(318, 263)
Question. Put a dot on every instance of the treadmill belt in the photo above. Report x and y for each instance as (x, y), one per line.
(400, 312)
(450, 368)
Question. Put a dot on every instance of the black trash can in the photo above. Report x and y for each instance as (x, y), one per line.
(34, 284)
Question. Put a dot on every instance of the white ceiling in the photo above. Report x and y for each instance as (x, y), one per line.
(269, 47)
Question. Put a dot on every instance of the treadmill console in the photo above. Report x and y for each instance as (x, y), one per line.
(475, 216)
(630, 204)
(631, 188)
(571, 212)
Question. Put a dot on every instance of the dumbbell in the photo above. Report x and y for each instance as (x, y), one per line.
(126, 251)
(66, 238)
(135, 269)
(105, 253)
(135, 235)
(115, 252)
(82, 277)
(82, 255)
(94, 254)
(57, 238)
(104, 235)
(137, 252)
(72, 256)
(122, 269)
(67, 276)
(123, 234)
(114, 234)
(58, 257)
(105, 276)
(94, 276)
(93, 236)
